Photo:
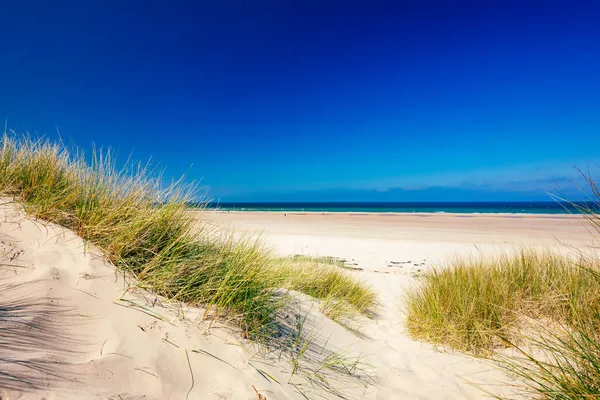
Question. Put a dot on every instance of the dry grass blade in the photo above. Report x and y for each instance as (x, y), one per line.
(200, 351)
(258, 395)
(191, 374)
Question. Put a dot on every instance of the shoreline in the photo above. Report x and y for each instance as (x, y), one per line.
(391, 213)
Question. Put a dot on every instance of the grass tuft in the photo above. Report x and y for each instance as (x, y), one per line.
(341, 295)
(478, 304)
(560, 362)
(543, 307)
(143, 226)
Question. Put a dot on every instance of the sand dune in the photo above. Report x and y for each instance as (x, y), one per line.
(66, 334)
(75, 328)
(390, 252)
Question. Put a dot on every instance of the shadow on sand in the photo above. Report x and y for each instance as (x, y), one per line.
(318, 366)
(35, 344)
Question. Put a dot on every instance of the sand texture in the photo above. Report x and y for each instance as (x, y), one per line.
(75, 328)
(390, 252)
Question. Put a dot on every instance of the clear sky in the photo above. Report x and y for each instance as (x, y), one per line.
(317, 100)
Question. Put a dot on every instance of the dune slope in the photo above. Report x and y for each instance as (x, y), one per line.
(73, 327)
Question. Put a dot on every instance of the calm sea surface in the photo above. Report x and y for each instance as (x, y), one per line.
(420, 207)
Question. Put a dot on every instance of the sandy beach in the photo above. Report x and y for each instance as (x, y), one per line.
(87, 332)
(389, 252)
(76, 328)
(296, 200)
(375, 239)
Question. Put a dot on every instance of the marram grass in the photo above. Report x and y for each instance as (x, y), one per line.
(142, 226)
(475, 304)
(542, 305)
(560, 362)
(341, 295)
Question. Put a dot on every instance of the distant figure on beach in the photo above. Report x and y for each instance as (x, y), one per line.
(285, 215)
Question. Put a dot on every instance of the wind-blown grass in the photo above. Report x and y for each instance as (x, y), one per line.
(478, 304)
(341, 295)
(141, 225)
(560, 361)
(543, 307)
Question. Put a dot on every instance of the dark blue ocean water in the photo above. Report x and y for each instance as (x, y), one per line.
(419, 207)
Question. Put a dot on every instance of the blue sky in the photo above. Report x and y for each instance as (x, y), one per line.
(317, 100)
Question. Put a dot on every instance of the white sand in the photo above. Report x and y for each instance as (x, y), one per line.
(66, 334)
(407, 369)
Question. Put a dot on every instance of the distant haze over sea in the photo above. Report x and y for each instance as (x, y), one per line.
(547, 207)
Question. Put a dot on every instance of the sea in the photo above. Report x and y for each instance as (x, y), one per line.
(549, 207)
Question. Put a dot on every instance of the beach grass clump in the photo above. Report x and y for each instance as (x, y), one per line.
(142, 226)
(478, 304)
(543, 307)
(560, 361)
(341, 295)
